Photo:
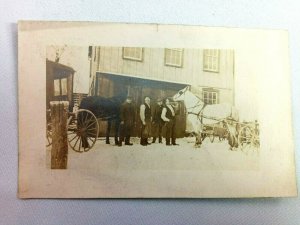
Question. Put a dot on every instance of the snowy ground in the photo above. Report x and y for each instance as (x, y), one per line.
(210, 156)
(152, 171)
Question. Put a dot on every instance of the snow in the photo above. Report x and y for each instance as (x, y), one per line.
(215, 156)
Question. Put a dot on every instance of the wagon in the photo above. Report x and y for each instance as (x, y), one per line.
(82, 125)
(244, 135)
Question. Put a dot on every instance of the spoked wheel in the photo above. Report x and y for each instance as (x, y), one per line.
(48, 135)
(246, 138)
(83, 130)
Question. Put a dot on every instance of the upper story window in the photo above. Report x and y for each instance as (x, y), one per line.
(210, 96)
(211, 60)
(135, 54)
(174, 57)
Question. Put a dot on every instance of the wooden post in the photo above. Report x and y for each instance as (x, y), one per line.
(59, 151)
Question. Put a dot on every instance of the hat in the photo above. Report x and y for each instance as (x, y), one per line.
(159, 100)
(129, 97)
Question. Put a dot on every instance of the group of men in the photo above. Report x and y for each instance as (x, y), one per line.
(152, 122)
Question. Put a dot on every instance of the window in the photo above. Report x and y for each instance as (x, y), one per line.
(57, 87)
(135, 54)
(60, 87)
(210, 97)
(174, 57)
(211, 60)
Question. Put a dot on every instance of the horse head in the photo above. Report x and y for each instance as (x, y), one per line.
(120, 98)
(179, 96)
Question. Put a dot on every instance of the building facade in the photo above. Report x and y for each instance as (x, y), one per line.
(210, 72)
(160, 73)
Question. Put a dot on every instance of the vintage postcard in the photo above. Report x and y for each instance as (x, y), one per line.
(153, 111)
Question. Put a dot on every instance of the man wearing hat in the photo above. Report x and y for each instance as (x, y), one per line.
(157, 122)
(127, 116)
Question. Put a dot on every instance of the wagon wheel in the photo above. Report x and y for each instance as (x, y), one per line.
(246, 138)
(83, 130)
(48, 135)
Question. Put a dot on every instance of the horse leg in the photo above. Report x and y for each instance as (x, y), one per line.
(117, 125)
(232, 141)
(203, 136)
(108, 131)
(198, 140)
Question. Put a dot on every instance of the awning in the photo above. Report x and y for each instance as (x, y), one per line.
(145, 82)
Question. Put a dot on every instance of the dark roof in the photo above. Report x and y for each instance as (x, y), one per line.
(59, 66)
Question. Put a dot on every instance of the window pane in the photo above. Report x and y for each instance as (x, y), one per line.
(56, 88)
(126, 50)
(168, 56)
(64, 86)
(139, 53)
(177, 60)
(209, 62)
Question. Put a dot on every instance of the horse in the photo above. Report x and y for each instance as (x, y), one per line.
(107, 109)
(200, 114)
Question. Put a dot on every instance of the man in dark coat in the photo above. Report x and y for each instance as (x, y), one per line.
(145, 116)
(127, 117)
(157, 122)
(168, 116)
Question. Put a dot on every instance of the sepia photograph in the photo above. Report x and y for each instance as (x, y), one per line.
(153, 111)
(136, 99)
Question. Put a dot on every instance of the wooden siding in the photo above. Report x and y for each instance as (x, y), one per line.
(109, 60)
(153, 66)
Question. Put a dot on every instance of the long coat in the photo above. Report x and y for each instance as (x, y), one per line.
(127, 114)
(156, 116)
